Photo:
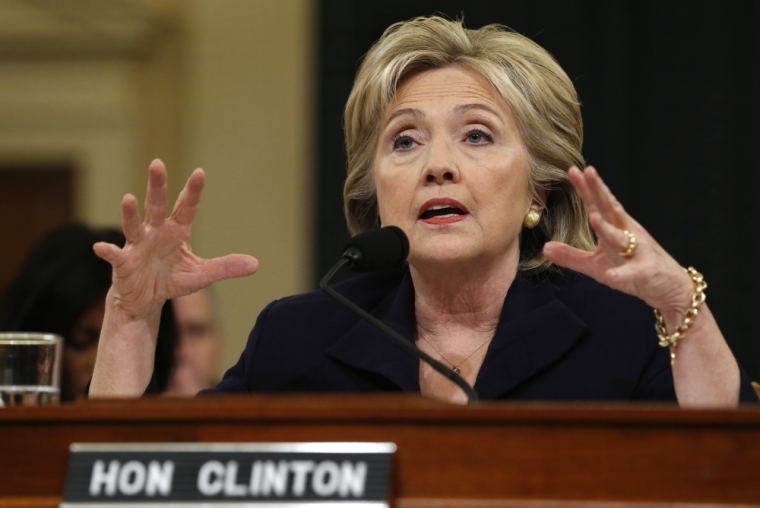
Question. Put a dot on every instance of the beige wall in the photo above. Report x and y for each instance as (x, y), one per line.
(79, 112)
(227, 85)
(249, 125)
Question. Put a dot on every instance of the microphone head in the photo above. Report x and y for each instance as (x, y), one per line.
(377, 249)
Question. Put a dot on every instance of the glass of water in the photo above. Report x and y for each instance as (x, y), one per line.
(30, 368)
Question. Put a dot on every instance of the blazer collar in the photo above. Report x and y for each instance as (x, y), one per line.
(365, 347)
(535, 329)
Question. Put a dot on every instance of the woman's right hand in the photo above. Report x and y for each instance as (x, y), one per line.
(156, 263)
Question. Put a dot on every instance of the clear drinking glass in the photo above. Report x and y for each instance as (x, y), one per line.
(30, 368)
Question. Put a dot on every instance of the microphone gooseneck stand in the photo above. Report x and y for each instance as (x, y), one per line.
(446, 372)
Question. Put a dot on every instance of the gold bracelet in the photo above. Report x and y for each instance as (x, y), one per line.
(697, 299)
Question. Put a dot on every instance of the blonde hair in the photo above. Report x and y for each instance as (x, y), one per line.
(533, 85)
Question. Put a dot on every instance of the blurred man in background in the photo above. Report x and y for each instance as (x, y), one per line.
(199, 345)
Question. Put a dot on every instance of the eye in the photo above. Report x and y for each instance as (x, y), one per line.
(82, 338)
(402, 142)
(478, 137)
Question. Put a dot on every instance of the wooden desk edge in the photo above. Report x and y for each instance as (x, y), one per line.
(374, 407)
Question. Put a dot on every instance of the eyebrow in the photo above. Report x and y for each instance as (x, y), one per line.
(462, 108)
(405, 111)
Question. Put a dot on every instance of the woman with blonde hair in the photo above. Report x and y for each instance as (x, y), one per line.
(470, 142)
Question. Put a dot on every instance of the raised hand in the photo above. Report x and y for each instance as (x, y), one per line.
(157, 262)
(705, 373)
(647, 272)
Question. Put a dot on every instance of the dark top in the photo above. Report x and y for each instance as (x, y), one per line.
(559, 337)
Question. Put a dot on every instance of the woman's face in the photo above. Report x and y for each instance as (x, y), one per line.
(79, 351)
(451, 169)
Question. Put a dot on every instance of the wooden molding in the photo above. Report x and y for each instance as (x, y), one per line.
(77, 29)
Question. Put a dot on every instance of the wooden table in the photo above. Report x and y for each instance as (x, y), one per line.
(489, 455)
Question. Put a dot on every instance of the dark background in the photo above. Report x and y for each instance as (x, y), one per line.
(670, 93)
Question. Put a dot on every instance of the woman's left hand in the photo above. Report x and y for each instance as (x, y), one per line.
(706, 373)
(648, 272)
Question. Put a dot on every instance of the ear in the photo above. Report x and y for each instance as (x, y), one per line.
(540, 204)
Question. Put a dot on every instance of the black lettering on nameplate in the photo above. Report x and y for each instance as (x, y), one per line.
(224, 474)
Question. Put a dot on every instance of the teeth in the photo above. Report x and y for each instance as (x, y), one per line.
(441, 210)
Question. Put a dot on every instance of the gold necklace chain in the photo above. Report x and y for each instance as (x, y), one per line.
(455, 368)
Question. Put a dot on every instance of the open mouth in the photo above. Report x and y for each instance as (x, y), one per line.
(443, 211)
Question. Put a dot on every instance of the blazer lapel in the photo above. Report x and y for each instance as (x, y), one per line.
(535, 329)
(365, 347)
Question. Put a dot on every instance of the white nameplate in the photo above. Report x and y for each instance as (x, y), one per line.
(229, 475)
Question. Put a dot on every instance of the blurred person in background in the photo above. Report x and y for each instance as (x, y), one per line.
(199, 345)
(61, 289)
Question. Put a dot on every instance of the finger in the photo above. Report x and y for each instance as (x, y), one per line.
(155, 199)
(610, 208)
(110, 253)
(609, 235)
(578, 180)
(189, 199)
(569, 257)
(228, 267)
(131, 223)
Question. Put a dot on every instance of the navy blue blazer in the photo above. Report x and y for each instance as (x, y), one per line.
(559, 337)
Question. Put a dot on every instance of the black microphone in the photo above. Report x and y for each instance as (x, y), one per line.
(378, 249)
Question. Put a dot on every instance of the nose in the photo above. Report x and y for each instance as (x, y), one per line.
(441, 166)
